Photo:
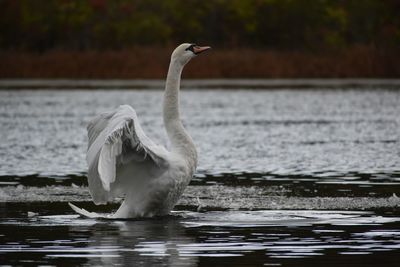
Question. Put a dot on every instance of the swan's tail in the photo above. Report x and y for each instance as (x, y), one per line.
(85, 213)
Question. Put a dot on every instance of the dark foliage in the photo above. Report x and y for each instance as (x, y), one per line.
(279, 24)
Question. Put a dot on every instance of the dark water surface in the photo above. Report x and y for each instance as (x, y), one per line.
(286, 178)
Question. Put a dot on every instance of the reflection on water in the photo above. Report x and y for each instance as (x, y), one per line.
(246, 238)
(286, 178)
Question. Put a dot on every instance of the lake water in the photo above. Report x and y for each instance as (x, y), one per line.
(286, 177)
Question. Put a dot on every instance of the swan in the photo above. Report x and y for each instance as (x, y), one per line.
(123, 161)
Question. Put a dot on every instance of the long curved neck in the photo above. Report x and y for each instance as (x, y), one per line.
(180, 140)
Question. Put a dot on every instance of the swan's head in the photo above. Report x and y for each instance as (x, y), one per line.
(185, 52)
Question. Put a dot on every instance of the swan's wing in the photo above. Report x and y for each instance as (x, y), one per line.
(116, 139)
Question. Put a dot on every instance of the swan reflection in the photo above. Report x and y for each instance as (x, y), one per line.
(140, 242)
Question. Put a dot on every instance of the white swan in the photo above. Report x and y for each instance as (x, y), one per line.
(123, 161)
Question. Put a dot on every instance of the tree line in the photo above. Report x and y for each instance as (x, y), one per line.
(33, 25)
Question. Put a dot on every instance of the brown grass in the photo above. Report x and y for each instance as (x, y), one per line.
(152, 62)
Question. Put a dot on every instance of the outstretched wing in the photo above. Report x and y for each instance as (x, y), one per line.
(116, 140)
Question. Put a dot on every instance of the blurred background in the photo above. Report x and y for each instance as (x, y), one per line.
(251, 38)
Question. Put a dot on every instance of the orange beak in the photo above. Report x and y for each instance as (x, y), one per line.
(200, 49)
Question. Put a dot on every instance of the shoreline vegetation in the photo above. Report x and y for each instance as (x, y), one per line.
(151, 62)
(219, 84)
(251, 39)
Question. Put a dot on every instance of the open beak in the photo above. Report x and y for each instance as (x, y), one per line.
(200, 49)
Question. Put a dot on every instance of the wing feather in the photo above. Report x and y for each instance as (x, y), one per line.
(116, 139)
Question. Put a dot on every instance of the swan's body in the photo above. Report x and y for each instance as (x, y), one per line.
(124, 162)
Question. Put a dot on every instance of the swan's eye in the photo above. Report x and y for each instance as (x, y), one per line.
(190, 48)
